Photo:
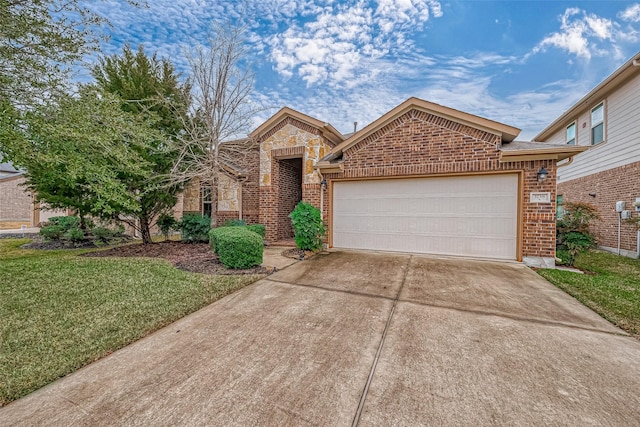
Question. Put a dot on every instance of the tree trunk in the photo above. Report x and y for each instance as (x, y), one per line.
(83, 223)
(145, 230)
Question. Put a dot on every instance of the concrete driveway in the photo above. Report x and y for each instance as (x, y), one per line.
(368, 339)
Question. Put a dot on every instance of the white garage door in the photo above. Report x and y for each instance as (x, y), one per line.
(464, 215)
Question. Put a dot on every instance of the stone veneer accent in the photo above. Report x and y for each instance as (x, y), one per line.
(288, 139)
(228, 195)
(422, 144)
(228, 191)
(290, 136)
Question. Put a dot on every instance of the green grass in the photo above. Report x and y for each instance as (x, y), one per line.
(611, 288)
(59, 312)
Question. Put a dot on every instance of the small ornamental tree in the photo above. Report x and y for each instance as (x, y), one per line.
(573, 236)
(308, 227)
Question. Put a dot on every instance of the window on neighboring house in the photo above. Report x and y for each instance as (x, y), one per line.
(206, 201)
(597, 124)
(559, 208)
(571, 134)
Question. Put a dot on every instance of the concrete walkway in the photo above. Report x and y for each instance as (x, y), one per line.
(19, 231)
(364, 339)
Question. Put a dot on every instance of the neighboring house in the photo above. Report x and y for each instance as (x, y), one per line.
(607, 120)
(422, 178)
(17, 205)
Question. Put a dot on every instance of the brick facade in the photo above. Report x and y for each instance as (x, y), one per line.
(415, 144)
(289, 194)
(16, 203)
(621, 183)
(421, 144)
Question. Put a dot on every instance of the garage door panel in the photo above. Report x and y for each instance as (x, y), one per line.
(469, 216)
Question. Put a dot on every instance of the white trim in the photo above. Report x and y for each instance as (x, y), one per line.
(575, 132)
(604, 124)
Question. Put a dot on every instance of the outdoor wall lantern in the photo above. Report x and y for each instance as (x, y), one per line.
(323, 183)
(542, 175)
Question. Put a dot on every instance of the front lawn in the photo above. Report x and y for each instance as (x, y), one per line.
(611, 287)
(59, 311)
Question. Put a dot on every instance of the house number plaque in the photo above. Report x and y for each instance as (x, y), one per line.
(540, 197)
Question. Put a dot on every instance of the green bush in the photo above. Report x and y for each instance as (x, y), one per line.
(564, 256)
(59, 227)
(195, 228)
(237, 247)
(572, 235)
(575, 242)
(66, 222)
(103, 234)
(234, 223)
(166, 223)
(258, 228)
(52, 232)
(308, 227)
(74, 234)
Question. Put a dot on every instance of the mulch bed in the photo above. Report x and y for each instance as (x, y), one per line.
(193, 257)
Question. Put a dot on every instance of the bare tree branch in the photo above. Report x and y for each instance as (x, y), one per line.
(213, 141)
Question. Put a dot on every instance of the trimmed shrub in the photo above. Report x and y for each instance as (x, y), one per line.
(195, 228)
(258, 228)
(74, 234)
(234, 223)
(166, 223)
(52, 232)
(103, 234)
(308, 227)
(59, 228)
(66, 222)
(237, 247)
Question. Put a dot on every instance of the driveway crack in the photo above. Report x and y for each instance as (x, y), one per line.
(372, 371)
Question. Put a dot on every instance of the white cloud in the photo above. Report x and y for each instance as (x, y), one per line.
(575, 30)
(332, 46)
(585, 35)
(631, 14)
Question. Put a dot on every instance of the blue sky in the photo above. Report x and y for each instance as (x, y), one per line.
(518, 62)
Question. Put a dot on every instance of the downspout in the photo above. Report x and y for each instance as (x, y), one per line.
(240, 202)
(321, 195)
(619, 226)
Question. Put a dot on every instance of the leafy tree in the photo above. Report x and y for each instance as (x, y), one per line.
(39, 42)
(76, 151)
(150, 88)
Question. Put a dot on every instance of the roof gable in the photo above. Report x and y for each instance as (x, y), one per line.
(326, 129)
(507, 133)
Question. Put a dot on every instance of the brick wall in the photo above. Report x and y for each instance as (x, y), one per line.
(420, 144)
(15, 200)
(622, 183)
(225, 216)
(289, 194)
(251, 189)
